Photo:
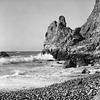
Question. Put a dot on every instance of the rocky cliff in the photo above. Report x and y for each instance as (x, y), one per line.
(63, 42)
(91, 29)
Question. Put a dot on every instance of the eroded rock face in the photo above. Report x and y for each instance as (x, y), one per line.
(92, 26)
(77, 60)
(62, 41)
(91, 29)
(69, 64)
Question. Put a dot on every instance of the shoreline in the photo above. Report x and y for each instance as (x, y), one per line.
(44, 76)
(80, 88)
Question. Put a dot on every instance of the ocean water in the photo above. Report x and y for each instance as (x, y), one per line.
(22, 63)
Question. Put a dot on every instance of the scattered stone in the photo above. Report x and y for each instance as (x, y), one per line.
(85, 71)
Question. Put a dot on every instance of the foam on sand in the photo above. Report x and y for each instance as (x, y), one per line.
(33, 78)
(40, 77)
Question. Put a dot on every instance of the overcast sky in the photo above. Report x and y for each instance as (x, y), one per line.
(23, 23)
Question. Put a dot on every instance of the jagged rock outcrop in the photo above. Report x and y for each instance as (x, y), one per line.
(56, 34)
(83, 40)
(3, 54)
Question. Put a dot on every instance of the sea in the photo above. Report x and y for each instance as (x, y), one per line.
(21, 62)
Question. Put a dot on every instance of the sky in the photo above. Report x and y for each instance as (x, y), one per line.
(23, 23)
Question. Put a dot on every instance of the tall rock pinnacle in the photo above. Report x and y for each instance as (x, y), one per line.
(56, 33)
(62, 22)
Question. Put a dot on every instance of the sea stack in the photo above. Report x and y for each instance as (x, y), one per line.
(56, 33)
(56, 38)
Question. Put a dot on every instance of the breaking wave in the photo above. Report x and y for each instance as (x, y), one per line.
(16, 73)
(21, 59)
(13, 60)
(46, 56)
(19, 72)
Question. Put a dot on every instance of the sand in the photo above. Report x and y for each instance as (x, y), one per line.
(43, 76)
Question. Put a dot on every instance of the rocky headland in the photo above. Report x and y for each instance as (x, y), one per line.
(77, 47)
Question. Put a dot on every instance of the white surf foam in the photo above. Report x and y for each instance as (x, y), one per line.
(14, 60)
(44, 57)
(16, 73)
(20, 59)
(19, 72)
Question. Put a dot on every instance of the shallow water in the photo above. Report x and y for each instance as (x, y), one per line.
(34, 70)
(21, 63)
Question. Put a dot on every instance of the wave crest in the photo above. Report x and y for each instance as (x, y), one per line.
(14, 60)
(45, 56)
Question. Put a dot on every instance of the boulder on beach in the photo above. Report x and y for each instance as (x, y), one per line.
(69, 64)
(3, 54)
(85, 71)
